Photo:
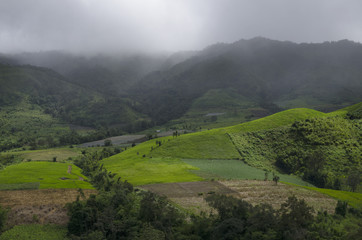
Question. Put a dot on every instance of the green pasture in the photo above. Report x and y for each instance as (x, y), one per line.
(139, 166)
(236, 169)
(61, 154)
(47, 174)
(354, 199)
(206, 145)
(276, 120)
(36, 232)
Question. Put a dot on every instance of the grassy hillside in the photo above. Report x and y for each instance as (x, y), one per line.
(321, 148)
(324, 150)
(139, 166)
(42, 175)
(166, 152)
(216, 144)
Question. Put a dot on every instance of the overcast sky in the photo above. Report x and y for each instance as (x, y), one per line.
(170, 25)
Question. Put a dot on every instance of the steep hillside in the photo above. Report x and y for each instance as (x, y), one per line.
(273, 75)
(39, 103)
(216, 144)
(323, 150)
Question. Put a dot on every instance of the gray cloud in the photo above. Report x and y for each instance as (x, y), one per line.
(170, 25)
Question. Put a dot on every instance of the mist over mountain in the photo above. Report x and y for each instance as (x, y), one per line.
(272, 75)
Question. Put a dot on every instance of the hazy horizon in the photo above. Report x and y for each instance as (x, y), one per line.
(160, 26)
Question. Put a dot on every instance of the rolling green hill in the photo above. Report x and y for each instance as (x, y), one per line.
(321, 148)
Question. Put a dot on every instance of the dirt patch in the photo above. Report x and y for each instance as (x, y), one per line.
(257, 192)
(43, 206)
(190, 195)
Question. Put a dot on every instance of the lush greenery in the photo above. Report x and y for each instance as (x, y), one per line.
(325, 151)
(139, 165)
(36, 232)
(236, 169)
(120, 212)
(43, 175)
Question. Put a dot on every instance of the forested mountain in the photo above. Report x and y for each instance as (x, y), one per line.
(248, 78)
(274, 75)
(40, 103)
(103, 73)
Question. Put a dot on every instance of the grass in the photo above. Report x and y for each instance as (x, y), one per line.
(199, 145)
(19, 186)
(354, 199)
(276, 120)
(165, 166)
(61, 154)
(47, 174)
(36, 232)
(236, 169)
(139, 170)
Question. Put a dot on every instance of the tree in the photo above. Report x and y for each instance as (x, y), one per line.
(341, 208)
(276, 179)
(295, 217)
(107, 142)
(3, 215)
(353, 180)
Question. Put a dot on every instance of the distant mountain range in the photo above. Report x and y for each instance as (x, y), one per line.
(259, 73)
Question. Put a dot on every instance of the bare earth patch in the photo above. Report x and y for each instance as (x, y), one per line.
(257, 192)
(190, 195)
(42, 206)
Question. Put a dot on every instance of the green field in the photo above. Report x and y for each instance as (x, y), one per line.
(165, 166)
(139, 170)
(46, 174)
(276, 120)
(207, 145)
(354, 199)
(36, 232)
(61, 154)
(236, 169)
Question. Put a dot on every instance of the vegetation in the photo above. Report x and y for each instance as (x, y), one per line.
(236, 169)
(118, 212)
(323, 151)
(42, 175)
(139, 165)
(36, 232)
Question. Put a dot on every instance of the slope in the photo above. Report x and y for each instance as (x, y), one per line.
(275, 75)
(38, 103)
(158, 160)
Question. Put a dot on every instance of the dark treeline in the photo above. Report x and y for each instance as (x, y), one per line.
(119, 211)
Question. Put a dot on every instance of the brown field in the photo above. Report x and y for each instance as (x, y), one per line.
(42, 206)
(191, 195)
